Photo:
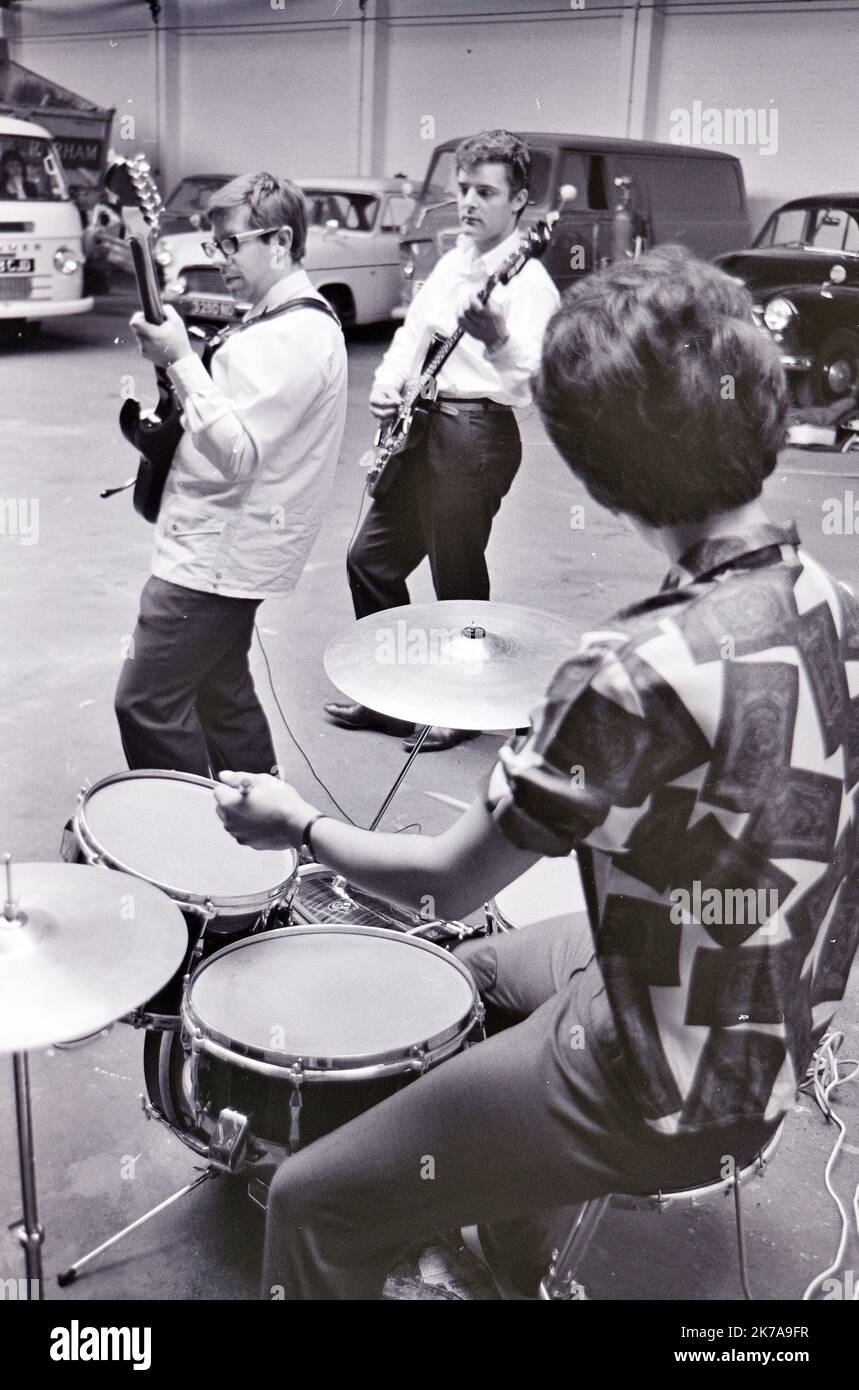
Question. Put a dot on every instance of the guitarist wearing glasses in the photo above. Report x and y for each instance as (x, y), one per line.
(454, 477)
(245, 494)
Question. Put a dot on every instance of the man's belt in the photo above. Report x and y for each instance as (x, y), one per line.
(452, 405)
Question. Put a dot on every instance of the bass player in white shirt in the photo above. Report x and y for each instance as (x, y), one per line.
(246, 492)
(453, 479)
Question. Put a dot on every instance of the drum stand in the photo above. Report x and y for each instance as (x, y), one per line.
(401, 777)
(69, 1275)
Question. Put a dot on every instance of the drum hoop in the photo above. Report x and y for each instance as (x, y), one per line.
(224, 906)
(270, 1062)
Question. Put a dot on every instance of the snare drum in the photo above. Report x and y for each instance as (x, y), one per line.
(323, 896)
(162, 827)
(290, 1034)
(549, 891)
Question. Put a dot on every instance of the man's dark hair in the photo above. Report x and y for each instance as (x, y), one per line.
(660, 392)
(270, 201)
(497, 147)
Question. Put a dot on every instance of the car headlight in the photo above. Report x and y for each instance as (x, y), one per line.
(67, 261)
(778, 314)
(164, 256)
(408, 269)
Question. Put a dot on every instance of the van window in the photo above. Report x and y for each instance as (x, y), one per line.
(587, 173)
(681, 185)
(30, 170)
(441, 177)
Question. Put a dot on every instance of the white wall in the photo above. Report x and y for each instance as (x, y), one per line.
(317, 87)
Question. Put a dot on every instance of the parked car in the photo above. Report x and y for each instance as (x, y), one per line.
(803, 270)
(677, 193)
(41, 245)
(352, 255)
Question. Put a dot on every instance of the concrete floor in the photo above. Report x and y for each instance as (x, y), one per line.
(69, 603)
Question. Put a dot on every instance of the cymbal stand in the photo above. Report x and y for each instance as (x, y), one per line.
(29, 1230)
(398, 783)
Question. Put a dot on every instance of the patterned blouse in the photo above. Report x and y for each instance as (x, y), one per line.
(705, 747)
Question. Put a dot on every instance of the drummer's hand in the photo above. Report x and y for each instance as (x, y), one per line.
(269, 815)
(162, 343)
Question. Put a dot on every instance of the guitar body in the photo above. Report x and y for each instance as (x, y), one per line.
(156, 441)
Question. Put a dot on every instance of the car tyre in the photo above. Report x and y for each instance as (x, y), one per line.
(835, 372)
(341, 301)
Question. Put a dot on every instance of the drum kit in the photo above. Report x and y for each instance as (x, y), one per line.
(250, 971)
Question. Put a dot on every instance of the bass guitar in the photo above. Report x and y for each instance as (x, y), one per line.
(155, 434)
(396, 435)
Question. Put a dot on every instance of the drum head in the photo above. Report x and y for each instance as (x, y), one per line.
(162, 827)
(547, 892)
(333, 997)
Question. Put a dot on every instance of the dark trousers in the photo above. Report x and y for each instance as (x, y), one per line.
(514, 1132)
(186, 699)
(442, 504)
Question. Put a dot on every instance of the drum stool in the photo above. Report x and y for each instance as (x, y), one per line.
(560, 1283)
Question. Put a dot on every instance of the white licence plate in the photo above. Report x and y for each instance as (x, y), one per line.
(16, 265)
(210, 309)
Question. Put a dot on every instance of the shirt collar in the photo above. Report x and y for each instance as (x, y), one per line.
(704, 558)
(488, 263)
(295, 282)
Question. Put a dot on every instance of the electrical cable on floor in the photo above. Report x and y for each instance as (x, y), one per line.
(824, 1075)
(313, 771)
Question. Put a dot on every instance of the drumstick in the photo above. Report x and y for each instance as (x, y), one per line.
(448, 800)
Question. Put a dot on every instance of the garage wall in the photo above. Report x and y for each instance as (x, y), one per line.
(797, 60)
(527, 68)
(321, 85)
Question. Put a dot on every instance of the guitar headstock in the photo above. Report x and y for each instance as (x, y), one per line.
(533, 245)
(131, 181)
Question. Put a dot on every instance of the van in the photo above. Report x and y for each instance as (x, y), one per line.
(41, 246)
(678, 193)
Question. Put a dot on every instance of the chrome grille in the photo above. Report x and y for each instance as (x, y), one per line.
(15, 287)
(203, 279)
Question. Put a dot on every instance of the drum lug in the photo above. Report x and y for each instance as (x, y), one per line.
(419, 1060)
(297, 1079)
(229, 1140)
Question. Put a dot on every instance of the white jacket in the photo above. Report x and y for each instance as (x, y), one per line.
(247, 490)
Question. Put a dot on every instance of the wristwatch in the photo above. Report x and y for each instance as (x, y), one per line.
(305, 839)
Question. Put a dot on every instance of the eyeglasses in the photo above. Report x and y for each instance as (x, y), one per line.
(229, 245)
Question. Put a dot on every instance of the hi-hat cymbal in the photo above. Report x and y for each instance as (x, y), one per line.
(460, 663)
(87, 946)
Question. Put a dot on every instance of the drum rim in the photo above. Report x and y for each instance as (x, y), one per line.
(223, 906)
(255, 1058)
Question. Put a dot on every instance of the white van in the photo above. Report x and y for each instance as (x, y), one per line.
(41, 250)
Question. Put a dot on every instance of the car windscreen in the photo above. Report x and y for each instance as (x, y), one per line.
(356, 212)
(440, 181)
(821, 229)
(192, 196)
(30, 171)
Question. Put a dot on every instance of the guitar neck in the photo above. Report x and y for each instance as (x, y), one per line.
(446, 347)
(146, 275)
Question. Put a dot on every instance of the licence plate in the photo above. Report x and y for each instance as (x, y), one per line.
(210, 309)
(16, 265)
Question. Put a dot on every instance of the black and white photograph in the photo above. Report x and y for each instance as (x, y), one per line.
(429, 712)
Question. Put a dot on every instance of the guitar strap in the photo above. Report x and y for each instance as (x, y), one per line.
(304, 302)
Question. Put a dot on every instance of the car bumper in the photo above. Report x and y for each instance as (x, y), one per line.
(792, 363)
(47, 309)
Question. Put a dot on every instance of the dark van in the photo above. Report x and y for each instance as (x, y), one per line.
(679, 193)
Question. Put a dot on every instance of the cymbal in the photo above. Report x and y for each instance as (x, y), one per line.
(88, 945)
(460, 663)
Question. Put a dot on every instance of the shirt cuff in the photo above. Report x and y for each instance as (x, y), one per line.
(188, 374)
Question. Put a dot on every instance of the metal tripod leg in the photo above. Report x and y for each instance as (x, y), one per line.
(395, 788)
(69, 1275)
(30, 1233)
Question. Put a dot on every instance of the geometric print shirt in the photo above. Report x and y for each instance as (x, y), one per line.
(705, 747)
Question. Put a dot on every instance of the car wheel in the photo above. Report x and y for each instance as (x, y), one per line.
(341, 301)
(835, 372)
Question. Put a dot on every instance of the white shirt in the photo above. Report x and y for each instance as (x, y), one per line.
(503, 374)
(246, 493)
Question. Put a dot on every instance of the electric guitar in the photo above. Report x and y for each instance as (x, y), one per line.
(393, 436)
(155, 435)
